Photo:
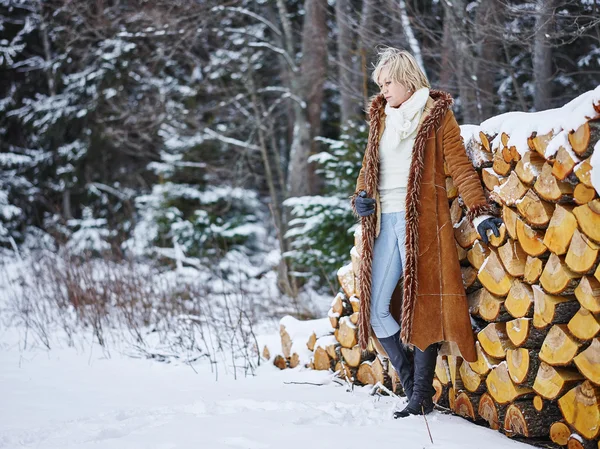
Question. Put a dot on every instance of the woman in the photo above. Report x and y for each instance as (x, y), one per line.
(401, 199)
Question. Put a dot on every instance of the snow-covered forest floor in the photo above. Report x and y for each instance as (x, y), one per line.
(147, 387)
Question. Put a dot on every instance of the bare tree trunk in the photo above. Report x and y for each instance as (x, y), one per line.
(366, 46)
(487, 38)
(344, 60)
(456, 15)
(447, 51)
(413, 43)
(313, 72)
(542, 54)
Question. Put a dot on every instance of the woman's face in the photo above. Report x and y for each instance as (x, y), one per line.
(394, 92)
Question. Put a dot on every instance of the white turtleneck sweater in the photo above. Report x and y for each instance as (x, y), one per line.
(395, 150)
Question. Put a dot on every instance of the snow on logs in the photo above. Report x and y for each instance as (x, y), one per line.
(533, 292)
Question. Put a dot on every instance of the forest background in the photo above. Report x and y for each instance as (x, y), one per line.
(225, 137)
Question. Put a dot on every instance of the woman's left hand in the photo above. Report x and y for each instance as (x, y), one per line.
(490, 224)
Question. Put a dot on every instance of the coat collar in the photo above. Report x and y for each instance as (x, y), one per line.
(438, 99)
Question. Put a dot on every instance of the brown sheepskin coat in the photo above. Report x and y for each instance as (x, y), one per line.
(431, 304)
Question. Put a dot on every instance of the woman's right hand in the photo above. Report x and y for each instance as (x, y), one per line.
(364, 205)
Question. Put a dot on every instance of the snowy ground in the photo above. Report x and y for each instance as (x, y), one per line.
(81, 395)
(67, 398)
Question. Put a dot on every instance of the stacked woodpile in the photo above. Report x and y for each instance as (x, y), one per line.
(533, 292)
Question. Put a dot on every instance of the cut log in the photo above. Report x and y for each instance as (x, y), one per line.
(485, 141)
(456, 212)
(469, 276)
(345, 372)
(540, 142)
(533, 270)
(352, 356)
(310, 344)
(583, 194)
(451, 189)
(473, 382)
(531, 241)
(519, 302)
(522, 365)
(478, 254)
(280, 362)
(577, 442)
(354, 318)
(494, 341)
(334, 319)
(513, 258)
(355, 259)
(347, 333)
(583, 172)
(286, 342)
(266, 354)
(441, 393)
(523, 419)
(511, 191)
(465, 234)
(510, 217)
(500, 166)
(557, 278)
(491, 179)
(493, 277)
(442, 372)
(548, 309)
(489, 307)
(560, 230)
(491, 412)
(451, 397)
(370, 372)
(340, 305)
(346, 279)
(535, 212)
(294, 360)
(334, 351)
(559, 433)
(502, 388)
(538, 403)
(589, 221)
(581, 409)
(454, 364)
(484, 362)
(529, 167)
(552, 382)
(354, 303)
(551, 189)
(584, 138)
(461, 252)
(564, 163)
(321, 359)
(584, 325)
(588, 293)
(465, 405)
(522, 334)
(559, 347)
(588, 362)
(582, 256)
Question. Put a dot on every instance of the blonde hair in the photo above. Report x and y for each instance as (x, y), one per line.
(403, 68)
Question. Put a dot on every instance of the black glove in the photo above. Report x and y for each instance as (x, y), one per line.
(364, 205)
(488, 224)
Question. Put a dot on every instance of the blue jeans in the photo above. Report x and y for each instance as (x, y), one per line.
(389, 256)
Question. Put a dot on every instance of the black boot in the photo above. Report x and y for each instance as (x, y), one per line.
(400, 360)
(421, 401)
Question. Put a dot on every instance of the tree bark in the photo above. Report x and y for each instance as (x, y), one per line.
(542, 54)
